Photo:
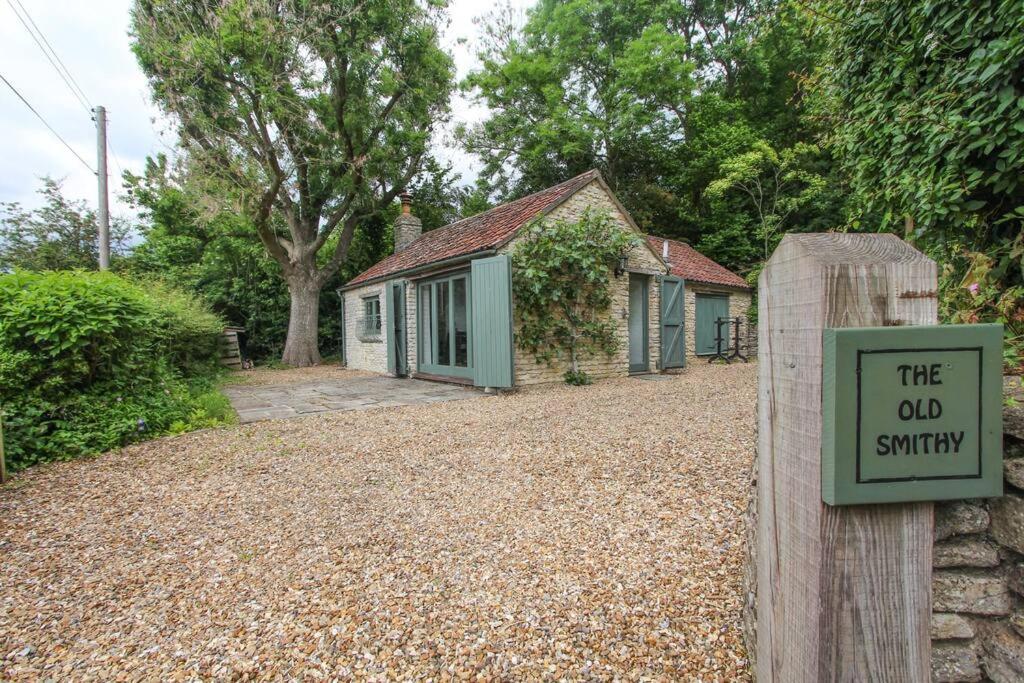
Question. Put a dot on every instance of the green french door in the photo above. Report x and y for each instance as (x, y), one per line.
(444, 327)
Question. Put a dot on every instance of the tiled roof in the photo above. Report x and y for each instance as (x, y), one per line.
(483, 231)
(686, 262)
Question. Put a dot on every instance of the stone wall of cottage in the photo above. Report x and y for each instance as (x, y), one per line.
(641, 261)
(410, 326)
(977, 624)
(364, 351)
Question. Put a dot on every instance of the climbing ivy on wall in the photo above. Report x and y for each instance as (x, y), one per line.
(561, 279)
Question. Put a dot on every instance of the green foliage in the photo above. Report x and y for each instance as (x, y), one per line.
(561, 277)
(209, 249)
(772, 185)
(309, 116)
(658, 96)
(90, 361)
(973, 288)
(925, 98)
(927, 119)
(577, 378)
(59, 235)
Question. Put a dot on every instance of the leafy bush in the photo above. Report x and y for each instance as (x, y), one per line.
(578, 378)
(91, 361)
(977, 286)
(561, 281)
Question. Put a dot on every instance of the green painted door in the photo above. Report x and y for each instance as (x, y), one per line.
(395, 336)
(492, 322)
(709, 308)
(673, 328)
(638, 353)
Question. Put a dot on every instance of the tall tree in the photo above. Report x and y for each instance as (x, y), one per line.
(317, 113)
(584, 84)
(654, 93)
(59, 235)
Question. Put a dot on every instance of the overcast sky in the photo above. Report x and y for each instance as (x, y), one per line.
(91, 38)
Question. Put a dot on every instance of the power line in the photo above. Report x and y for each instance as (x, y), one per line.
(45, 123)
(62, 70)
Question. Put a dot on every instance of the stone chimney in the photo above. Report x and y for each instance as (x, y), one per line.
(407, 226)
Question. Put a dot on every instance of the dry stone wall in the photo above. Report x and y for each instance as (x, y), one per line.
(977, 624)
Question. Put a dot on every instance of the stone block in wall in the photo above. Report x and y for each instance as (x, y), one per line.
(950, 627)
(1003, 652)
(967, 592)
(1015, 579)
(1008, 521)
(1013, 472)
(959, 517)
(965, 552)
(1017, 621)
(954, 663)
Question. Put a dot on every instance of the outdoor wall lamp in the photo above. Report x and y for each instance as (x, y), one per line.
(621, 266)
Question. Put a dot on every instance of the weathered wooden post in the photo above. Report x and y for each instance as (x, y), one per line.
(843, 592)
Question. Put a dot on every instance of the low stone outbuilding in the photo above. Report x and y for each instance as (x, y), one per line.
(441, 307)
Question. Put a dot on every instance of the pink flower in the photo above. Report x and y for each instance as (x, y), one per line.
(973, 288)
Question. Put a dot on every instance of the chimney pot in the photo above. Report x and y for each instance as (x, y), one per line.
(407, 226)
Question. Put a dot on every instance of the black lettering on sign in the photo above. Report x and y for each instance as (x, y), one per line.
(921, 374)
(957, 440)
(883, 445)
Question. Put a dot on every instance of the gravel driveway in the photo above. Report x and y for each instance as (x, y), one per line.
(560, 532)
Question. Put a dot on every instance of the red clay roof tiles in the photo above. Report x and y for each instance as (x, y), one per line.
(686, 262)
(483, 231)
(492, 228)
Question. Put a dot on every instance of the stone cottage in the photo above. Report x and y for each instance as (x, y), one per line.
(441, 307)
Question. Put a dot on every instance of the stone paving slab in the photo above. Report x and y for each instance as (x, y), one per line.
(278, 401)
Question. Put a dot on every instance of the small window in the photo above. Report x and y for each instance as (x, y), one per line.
(371, 315)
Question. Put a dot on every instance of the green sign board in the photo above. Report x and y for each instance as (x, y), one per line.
(911, 413)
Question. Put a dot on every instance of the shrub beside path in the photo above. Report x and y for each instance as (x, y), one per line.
(588, 532)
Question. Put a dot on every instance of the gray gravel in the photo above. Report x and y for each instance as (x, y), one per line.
(557, 533)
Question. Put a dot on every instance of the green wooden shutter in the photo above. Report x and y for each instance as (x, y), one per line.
(492, 321)
(344, 340)
(389, 327)
(673, 335)
(394, 321)
(709, 308)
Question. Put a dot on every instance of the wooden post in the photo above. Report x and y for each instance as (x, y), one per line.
(844, 593)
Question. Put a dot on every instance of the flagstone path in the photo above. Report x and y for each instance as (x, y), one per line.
(359, 392)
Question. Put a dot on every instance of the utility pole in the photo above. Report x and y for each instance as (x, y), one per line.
(101, 174)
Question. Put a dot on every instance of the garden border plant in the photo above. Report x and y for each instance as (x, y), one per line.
(93, 361)
(561, 279)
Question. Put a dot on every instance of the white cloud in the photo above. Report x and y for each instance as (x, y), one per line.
(92, 40)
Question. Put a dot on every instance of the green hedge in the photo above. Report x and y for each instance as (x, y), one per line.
(92, 361)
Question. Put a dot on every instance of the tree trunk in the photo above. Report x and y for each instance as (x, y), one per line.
(301, 348)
